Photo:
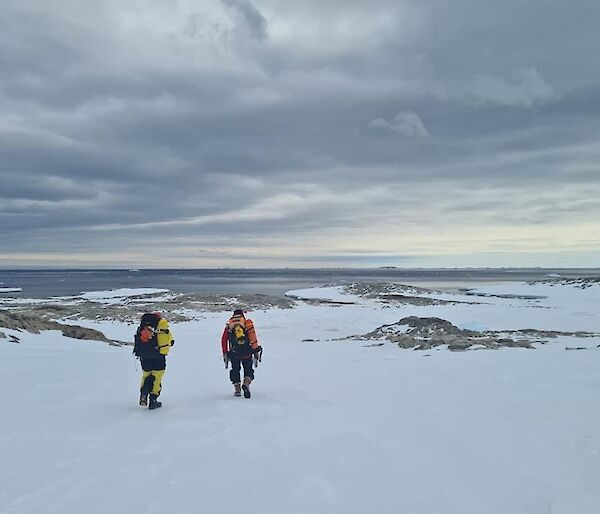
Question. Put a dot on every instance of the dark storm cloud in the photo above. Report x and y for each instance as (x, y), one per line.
(184, 120)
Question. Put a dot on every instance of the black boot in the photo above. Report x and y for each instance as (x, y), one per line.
(145, 390)
(246, 387)
(238, 390)
(154, 403)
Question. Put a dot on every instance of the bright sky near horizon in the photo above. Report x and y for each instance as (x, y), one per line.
(261, 133)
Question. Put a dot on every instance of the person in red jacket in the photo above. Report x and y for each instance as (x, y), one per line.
(239, 346)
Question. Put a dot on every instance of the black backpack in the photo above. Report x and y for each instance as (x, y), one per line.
(238, 339)
(145, 341)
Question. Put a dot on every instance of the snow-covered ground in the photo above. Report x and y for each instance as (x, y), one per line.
(332, 427)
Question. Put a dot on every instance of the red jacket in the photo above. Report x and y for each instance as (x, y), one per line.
(250, 333)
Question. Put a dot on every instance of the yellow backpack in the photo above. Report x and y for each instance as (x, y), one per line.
(164, 337)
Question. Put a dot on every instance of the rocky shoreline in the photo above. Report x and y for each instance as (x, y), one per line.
(580, 283)
(61, 313)
(400, 294)
(412, 332)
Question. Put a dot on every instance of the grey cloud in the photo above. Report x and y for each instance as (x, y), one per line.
(523, 87)
(101, 119)
(252, 17)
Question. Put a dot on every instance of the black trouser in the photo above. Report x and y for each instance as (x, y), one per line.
(153, 370)
(236, 363)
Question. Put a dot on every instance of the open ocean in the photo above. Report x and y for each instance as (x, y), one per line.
(46, 283)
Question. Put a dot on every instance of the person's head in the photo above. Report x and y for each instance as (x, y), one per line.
(238, 312)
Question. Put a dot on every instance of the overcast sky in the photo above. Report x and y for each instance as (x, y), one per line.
(260, 133)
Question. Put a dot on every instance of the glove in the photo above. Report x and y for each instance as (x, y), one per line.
(226, 360)
(257, 357)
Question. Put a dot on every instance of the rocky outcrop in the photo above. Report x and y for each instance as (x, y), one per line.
(26, 322)
(176, 307)
(580, 283)
(319, 301)
(40, 315)
(399, 293)
(376, 289)
(426, 333)
(549, 334)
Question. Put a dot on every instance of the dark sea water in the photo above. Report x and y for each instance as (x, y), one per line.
(45, 283)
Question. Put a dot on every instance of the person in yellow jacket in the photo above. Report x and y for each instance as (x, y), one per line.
(152, 342)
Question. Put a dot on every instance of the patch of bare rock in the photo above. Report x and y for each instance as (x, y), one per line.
(38, 316)
(26, 322)
(398, 293)
(580, 283)
(418, 333)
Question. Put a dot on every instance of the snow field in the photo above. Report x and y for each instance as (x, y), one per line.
(333, 426)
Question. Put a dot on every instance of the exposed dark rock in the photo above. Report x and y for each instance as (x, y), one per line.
(459, 346)
(552, 334)
(424, 326)
(320, 301)
(580, 283)
(40, 315)
(35, 324)
(77, 332)
(398, 293)
(426, 333)
(22, 321)
(508, 296)
(54, 308)
(376, 289)
(175, 306)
